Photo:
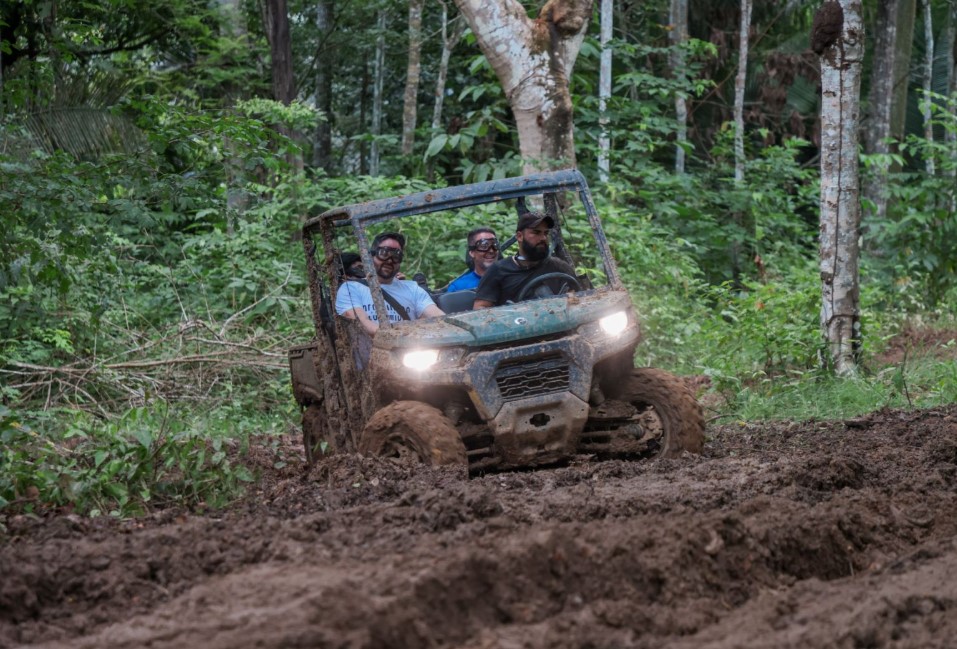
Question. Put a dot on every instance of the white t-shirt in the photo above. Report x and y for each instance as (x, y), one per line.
(406, 292)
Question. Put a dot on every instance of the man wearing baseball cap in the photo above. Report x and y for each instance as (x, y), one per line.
(504, 281)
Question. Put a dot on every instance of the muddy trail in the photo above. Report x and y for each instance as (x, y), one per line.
(839, 534)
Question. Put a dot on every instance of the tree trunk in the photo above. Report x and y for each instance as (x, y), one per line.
(679, 36)
(952, 49)
(533, 59)
(413, 70)
(377, 83)
(449, 41)
(739, 88)
(276, 24)
(237, 198)
(841, 64)
(322, 143)
(928, 79)
(949, 47)
(887, 101)
(363, 111)
(604, 90)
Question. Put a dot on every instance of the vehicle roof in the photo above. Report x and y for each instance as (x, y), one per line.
(435, 200)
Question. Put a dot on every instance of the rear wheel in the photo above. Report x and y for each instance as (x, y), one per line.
(668, 411)
(413, 431)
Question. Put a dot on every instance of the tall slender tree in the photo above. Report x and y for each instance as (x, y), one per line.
(412, 74)
(739, 89)
(928, 78)
(378, 76)
(452, 32)
(276, 24)
(887, 99)
(604, 89)
(679, 36)
(842, 55)
(322, 139)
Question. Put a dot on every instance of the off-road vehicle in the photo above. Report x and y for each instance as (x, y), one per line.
(534, 382)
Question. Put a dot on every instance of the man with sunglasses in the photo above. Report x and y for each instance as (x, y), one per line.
(503, 282)
(354, 299)
(483, 252)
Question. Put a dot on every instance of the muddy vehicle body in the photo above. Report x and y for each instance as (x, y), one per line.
(524, 384)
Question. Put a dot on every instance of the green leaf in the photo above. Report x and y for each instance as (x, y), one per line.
(436, 145)
(144, 436)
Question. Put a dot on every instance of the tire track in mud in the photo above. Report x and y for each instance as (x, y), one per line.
(782, 535)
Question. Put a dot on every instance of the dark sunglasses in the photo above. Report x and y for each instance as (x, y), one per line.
(384, 253)
(484, 245)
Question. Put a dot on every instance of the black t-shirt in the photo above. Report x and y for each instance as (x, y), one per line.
(505, 279)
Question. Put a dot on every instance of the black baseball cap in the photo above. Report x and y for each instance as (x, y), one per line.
(531, 219)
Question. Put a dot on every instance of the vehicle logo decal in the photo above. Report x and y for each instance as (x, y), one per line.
(521, 322)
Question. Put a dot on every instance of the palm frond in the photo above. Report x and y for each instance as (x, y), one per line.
(79, 115)
(84, 131)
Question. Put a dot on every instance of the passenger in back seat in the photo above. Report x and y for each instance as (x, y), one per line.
(482, 253)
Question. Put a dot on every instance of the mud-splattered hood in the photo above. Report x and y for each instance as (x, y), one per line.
(531, 319)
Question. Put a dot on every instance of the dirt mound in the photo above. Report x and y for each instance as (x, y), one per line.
(838, 534)
(915, 341)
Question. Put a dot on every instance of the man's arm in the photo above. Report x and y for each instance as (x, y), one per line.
(432, 311)
(349, 300)
(489, 288)
(367, 323)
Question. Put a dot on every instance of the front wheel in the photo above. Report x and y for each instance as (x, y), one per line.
(666, 406)
(413, 431)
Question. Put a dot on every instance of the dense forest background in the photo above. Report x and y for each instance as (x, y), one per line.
(158, 158)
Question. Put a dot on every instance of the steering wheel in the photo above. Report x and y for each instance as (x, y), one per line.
(570, 284)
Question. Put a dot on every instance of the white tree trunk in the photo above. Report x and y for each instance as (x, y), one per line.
(739, 86)
(533, 59)
(950, 52)
(887, 100)
(928, 78)
(841, 65)
(377, 83)
(604, 90)
(679, 36)
(449, 41)
(413, 71)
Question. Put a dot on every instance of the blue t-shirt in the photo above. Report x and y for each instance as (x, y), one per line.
(406, 292)
(469, 280)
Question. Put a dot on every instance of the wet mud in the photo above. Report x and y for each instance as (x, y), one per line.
(791, 534)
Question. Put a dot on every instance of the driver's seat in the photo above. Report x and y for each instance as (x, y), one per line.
(455, 302)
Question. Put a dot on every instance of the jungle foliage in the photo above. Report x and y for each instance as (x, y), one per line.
(151, 274)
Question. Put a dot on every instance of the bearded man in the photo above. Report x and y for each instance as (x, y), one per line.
(503, 282)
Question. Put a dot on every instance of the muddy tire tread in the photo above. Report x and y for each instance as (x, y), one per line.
(675, 404)
(419, 425)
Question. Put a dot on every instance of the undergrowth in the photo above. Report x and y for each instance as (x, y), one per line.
(148, 458)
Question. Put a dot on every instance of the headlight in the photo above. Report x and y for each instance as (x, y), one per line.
(614, 324)
(421, 359)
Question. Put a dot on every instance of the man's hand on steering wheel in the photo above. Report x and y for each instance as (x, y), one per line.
(569, 283)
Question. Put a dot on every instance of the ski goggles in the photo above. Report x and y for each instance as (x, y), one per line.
(485, 245)
(384, 253)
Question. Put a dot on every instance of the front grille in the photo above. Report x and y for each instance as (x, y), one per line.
(523, 378)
